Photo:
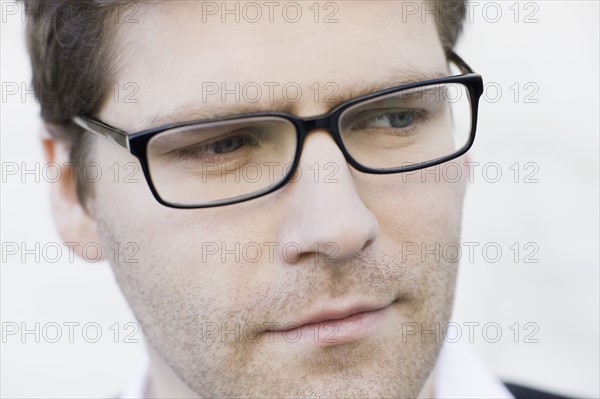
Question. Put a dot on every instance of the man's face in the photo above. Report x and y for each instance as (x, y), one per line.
(212, 284)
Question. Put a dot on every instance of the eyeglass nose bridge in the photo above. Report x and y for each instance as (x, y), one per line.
(327, 122)
(318, 122)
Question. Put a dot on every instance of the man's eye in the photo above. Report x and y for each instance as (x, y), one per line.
(223, 146)
(229, 144)
(387, 119)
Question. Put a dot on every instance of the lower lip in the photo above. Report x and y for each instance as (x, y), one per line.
(335, 332)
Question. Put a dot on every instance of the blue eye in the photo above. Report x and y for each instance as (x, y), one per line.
(396, 119)
(230, 144)
(219, 149)
(388, 120)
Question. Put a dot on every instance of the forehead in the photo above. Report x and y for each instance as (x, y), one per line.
(176, 52)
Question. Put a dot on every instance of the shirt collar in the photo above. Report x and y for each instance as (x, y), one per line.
(136, 388)
(460, 373)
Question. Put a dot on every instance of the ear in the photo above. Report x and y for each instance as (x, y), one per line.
(76, 227)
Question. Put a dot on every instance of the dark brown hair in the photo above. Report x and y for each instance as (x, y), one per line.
(71, 48)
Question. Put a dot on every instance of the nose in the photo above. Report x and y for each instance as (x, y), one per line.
(326, 214)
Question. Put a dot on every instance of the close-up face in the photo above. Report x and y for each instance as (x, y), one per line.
(299, 199)
(219, 291)
(306, 291)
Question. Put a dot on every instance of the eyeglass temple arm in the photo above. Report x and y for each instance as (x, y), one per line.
(459, 62)
(100, 129)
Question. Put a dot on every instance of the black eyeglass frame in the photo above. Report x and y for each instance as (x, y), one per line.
(137, 143)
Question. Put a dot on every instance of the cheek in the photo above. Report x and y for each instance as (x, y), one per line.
(419, 216)
(169, 257)
(420, 206)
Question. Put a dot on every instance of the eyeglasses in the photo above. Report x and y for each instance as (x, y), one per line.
(221, 161)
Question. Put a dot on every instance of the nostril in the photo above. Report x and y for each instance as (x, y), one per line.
(367, 244)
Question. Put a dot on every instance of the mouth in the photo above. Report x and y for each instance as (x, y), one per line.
(334, 325)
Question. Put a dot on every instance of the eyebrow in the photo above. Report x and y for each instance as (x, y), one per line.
(220, 109)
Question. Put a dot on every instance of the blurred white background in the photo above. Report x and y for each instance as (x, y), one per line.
(546, 55)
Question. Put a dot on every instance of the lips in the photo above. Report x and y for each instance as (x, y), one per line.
(334, 325)
(330, 315)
